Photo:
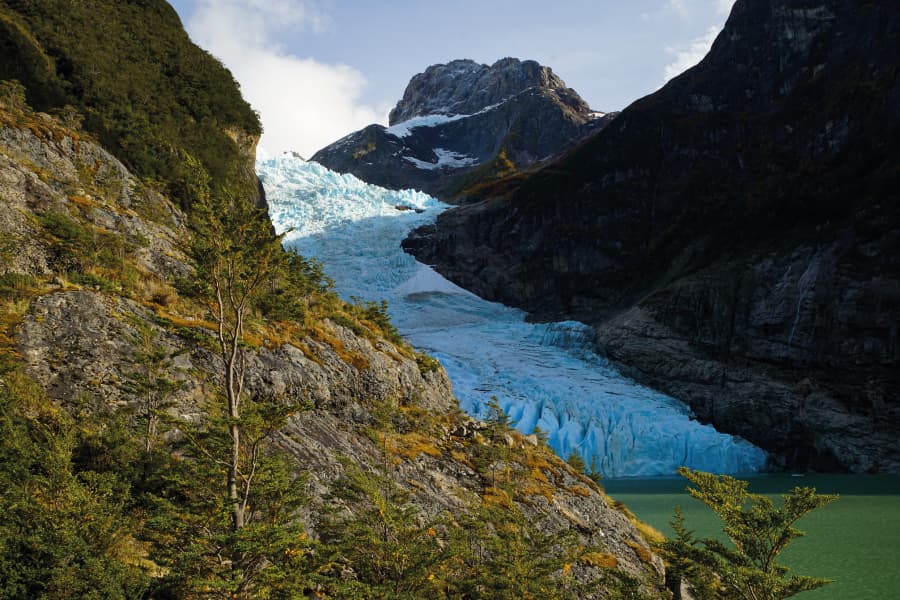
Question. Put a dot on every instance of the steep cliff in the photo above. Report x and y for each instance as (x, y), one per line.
(733, 237)
(462, 125)
(80, 316)
(96, 280)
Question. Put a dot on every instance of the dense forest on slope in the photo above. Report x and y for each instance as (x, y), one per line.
(151, 96)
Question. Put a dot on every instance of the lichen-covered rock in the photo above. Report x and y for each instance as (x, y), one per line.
(81, 345)
(47, 168)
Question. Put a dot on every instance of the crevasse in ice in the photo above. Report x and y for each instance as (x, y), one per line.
(544, 375)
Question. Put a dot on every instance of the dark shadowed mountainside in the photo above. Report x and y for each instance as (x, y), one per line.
(733, 237)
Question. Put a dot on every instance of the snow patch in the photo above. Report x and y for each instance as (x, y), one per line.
(446, 159)
(404, 129)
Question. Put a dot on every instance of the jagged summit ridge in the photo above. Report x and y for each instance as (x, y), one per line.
(462, 124)
(466, 87)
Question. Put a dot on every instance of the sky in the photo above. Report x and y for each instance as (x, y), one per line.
(317, 70)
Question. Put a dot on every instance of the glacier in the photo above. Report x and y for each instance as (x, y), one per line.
(543, 375)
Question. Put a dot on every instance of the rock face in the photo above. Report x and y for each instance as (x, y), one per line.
(733, 237)
(463, 123)
(80, 341)
(49, 169)
(76, 343)
(464, 87)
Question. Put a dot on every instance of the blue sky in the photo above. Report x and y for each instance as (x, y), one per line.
(319, 69)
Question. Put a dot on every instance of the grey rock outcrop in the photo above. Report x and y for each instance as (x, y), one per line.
(733, 236)
(81, 344)
(462, 124)
(77, 345)
(56, 171)
(464, 87)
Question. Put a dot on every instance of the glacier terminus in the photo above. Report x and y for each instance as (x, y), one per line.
(544, 375)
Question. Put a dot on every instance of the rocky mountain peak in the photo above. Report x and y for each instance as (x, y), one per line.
(462, 124)
(466, 87)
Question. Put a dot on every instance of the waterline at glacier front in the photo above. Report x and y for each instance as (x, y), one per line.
(543, 375)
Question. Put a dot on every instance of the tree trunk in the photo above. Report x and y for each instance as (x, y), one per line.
(237, 517)
(233, 393)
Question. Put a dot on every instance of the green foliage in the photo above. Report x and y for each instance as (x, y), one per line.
(234, 251)
(190, 515)
(145, 90)
(12, 94)
(682, 556)
(389, 550)
(286, 295)
(78, 247)
(150, 381)
(8, 248)
(226, 523)
(65, 532)
(758, 531)
(14, 286)
(497, 419)
(427, 364)
(377, 313)
(576, 462)
(499, 553)
(375, 544)
(23, 59)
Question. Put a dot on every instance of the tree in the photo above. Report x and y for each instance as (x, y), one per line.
(758, 531)
(576, 462)
(193, 536)
(382, 547)
(243, 538)
(150, 379)
(234, 251)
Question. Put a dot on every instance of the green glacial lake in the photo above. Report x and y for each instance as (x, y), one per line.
(855, 540)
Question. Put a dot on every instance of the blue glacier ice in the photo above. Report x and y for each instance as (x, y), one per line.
(544, 375)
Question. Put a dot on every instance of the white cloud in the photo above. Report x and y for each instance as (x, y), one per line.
(690, 10)
(689, 55)
(723, 7)
(679, 7)
(304, 104)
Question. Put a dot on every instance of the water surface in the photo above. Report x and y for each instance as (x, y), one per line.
(855, 540)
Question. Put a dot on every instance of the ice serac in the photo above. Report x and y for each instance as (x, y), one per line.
(544, 375)
(462, 125)
(733, 237)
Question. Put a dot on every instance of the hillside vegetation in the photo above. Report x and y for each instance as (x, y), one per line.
(128, 68)
(189, 411)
